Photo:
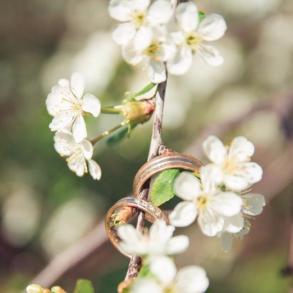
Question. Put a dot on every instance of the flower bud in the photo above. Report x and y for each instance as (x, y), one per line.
(136, 112)
(34, 288)
(57, 289)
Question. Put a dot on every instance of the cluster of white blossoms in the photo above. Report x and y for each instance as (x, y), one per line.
(159, 271)
(216, 196)
(158, 32)
(68, 105)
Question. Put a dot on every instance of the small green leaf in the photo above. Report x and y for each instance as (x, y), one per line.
(201, 15)
(162, 188)
(84, 286)
(118, 135)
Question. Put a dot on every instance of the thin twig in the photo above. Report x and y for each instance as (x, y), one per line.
(156, 141)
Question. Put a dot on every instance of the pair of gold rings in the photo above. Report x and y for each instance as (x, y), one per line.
(126, 208)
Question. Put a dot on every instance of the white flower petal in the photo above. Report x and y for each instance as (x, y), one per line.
(214, 149)
(227, 204)
(160, 232)
(164, 269)
(191, 279)
(91, 104)
(212, 28)
(177, 244)
(130, 55)
(187, 186)
(241, 149)
(140, 5)
(234, 224)
(210, 222)
(187, 16)
(95, 170)
(211, 55)
(77, 85)
(253, 204)
(183, 215)
(210, 175)
(61, 121)
(181, 61)
(120, 10)
(86, 148)
(79, 129)
(132, 241)
(146, 286)
(160, 12)
(143, 38)
(124, 33)
(64, 143)
(236, 183)
(157, 71)
(76, 163)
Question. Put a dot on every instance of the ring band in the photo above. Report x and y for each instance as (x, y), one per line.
(170, 160)
(121, 213)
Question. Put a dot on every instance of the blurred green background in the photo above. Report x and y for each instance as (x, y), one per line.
(45, 208)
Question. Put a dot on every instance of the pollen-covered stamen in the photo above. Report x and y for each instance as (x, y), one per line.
(153, 50)
(138, 18)
(230, 166)
(201, 201)
(193, 40)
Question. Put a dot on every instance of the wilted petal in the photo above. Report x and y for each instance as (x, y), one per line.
(164, 269)
(79, 129)
(187, 186)
(146, 286)
(177, 244)
(241, 149)
(91, 104)
(226, 204)
(160, 12)
(183, 215)
(157, 71)
(214, 149)
(234, 224)
(64, 143)
(120, 10)
(124, 33)
(187, 16)
(211, 55)
(181, 61)
(77, 85)
(191, 279)
(210, 222)
(212, 28)
(95, 170)
(253, 204)
(143, 38)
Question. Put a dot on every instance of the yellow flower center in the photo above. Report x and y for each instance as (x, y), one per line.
(152, 50)
(230, 166)
(170, 289)
(201, 201)
(138, 18)
(193, 40)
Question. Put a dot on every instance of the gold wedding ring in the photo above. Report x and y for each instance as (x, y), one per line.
(169, 160)
(123, 211)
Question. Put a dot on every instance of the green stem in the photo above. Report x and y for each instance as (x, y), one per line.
(110, 110)
(108, 132)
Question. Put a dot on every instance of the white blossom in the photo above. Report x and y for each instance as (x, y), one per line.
(233, 162)
(239, 225)
(152, 53)
(138, 17)
(67, 103)
(158, 241)
(78, 155)
(191, 279)
(192, 37)
(202, 199)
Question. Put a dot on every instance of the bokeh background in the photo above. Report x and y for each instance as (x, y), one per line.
(45, 208)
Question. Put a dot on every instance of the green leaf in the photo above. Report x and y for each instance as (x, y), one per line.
(162, 188)
(84, 286)
(201, 15)
(146, 89)
(118, 136)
